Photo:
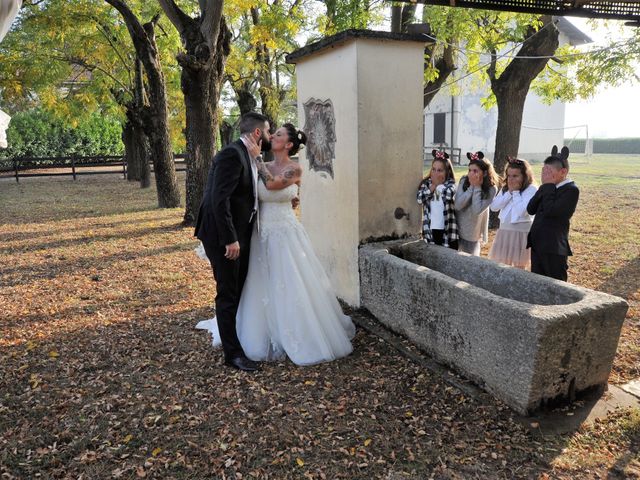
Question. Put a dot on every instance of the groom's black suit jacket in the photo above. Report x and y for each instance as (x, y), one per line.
(553, 208)
(227, 206)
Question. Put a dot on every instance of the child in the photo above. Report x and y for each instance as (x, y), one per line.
(553, 205)
(435, 194)
(473, 197)
(510, 244)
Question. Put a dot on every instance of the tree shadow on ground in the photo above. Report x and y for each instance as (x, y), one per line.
(70, 242)
(93, 223)
(625, 281)
(86, 265)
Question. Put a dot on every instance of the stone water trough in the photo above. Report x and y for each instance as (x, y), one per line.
(529, 340)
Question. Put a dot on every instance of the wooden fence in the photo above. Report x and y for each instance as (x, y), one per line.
(74, 165)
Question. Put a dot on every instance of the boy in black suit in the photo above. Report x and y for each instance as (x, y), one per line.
(553, 206)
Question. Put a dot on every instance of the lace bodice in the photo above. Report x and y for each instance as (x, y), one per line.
(275, 205)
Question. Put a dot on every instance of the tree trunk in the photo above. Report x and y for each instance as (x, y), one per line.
(140, 145)
(245, 99)
(226, 133)
(137, 156)
(201, 86)
(511, 90)
(157, 130)
(131, 153)
(512, 87)
(269, 95)
(155, 115)
(407, 16)
(510, 101)
(401, 16)
(206, 43)
(446, 66)
(396, 17)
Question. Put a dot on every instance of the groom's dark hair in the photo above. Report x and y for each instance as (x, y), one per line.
(251, 120)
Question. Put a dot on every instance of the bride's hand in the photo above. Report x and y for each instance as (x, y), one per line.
(253, 148)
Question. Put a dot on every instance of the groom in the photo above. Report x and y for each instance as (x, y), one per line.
(225, 221)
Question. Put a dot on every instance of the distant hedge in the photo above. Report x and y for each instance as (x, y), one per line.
(606, 145)
(37, 133)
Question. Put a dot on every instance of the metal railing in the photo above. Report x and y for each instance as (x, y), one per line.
(455, 154)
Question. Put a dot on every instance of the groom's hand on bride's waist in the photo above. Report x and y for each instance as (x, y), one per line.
(295, 201)
(232, 251)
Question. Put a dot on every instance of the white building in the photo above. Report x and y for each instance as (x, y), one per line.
(472, 127)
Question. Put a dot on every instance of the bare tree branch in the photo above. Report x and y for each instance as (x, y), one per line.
(176, 16)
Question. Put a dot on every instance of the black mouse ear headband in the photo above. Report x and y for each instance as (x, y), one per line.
(563, 156)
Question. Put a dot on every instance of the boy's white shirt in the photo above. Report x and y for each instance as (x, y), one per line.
(564, 182)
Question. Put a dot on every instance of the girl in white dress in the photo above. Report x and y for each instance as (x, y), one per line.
(510, 244)
(288, 306)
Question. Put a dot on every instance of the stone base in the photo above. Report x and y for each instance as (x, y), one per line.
(529, 340)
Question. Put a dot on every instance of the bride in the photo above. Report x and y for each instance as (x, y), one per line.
(287, 307)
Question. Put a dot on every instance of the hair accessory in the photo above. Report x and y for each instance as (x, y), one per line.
(475, 156)
(299, 135)
(563, 156)
(439, 154)
(515, 161)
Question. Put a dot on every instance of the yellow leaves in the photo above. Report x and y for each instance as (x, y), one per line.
(300, 462)
(156, 451)
(53, 354)
(49, 98)
(367, 442)
(34, 380)
(262, 35)
(127, 439)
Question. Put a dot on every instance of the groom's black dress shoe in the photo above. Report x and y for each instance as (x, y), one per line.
(242, 363)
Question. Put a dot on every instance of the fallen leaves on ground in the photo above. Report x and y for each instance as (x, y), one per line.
(102, 374)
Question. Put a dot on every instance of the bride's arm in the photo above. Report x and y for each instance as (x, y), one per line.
(288, 177)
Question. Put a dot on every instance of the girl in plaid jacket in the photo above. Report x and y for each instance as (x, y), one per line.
(436, 195)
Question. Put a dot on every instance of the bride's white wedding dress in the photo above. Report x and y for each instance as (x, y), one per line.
(287, 307)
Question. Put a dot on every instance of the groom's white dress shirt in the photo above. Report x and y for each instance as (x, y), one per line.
(254, 172)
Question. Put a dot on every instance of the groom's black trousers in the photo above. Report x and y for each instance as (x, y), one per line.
(230, 276)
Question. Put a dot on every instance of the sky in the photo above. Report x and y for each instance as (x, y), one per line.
(613, 112)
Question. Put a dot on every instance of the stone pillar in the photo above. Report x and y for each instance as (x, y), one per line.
(360, 103)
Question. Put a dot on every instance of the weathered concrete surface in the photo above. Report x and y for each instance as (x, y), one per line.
(527, 339)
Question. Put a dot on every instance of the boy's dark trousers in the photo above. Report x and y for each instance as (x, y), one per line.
(549, 265)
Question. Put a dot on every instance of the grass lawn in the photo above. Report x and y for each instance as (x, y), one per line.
(102, 374)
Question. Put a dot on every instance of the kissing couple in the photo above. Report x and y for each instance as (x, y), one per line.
(273, 298)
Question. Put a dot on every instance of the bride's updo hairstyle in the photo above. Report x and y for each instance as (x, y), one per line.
(297, 137)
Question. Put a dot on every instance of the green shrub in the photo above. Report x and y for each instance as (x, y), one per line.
(37, 133)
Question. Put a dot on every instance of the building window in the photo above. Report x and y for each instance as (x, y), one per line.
(439, 127)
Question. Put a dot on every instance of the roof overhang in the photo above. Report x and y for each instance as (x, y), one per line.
(620, 10)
